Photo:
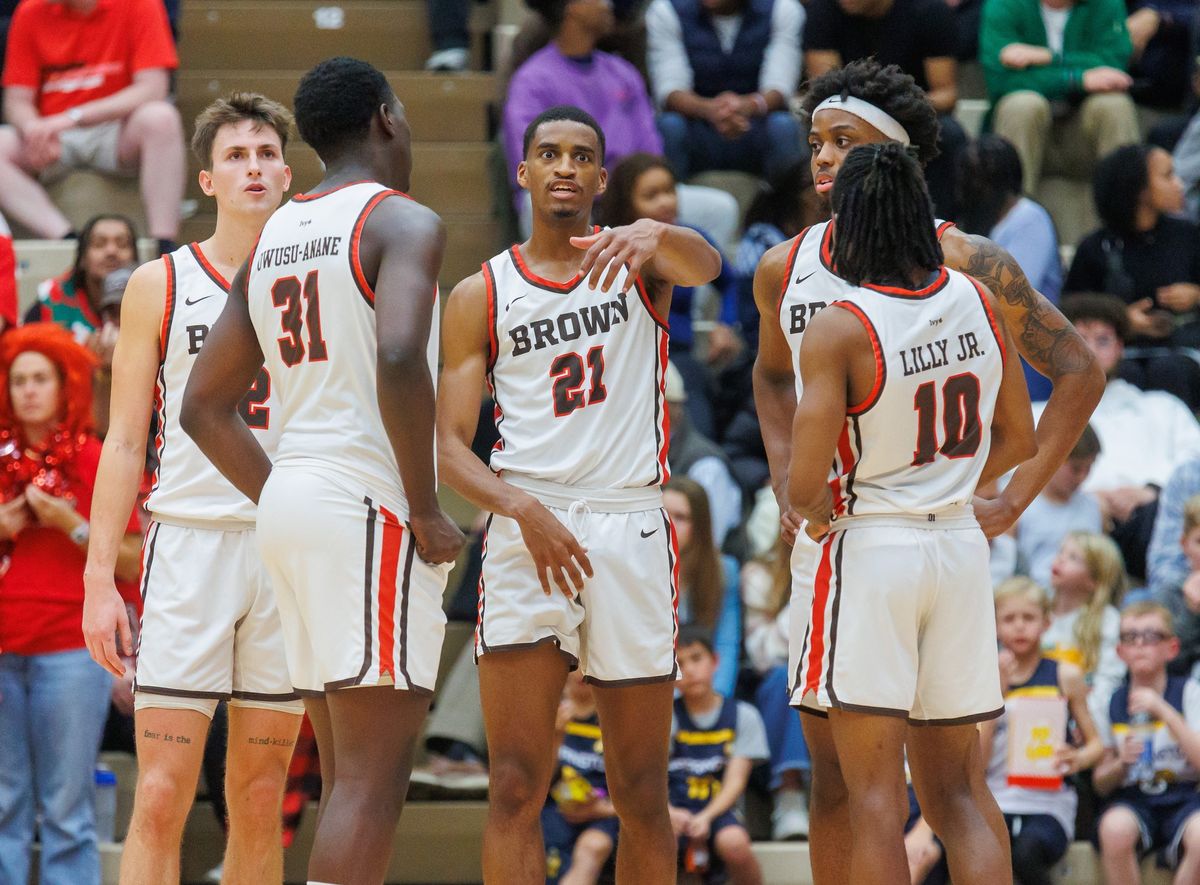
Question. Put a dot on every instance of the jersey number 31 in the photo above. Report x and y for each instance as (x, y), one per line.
(301, 314)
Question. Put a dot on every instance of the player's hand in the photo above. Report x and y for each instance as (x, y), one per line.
(699, 827)
(994, 515)
(680, 819)
(790, 524)
(1191, 592)
(629, 246)
(437, 538)
(14, 518)
(51, 511)
(1145, 700)
(1131, 750)
(557, 554)
(105, 620)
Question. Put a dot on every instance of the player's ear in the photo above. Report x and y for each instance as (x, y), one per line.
(522, 177)
(206, 183)
(602, 184)
(287, 178)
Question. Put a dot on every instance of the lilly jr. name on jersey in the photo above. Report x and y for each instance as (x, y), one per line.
(938, 353)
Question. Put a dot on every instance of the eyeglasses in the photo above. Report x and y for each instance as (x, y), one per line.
(1143, 637)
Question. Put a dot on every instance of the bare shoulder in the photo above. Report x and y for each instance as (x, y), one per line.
(772, 267)
(470, 292)
(991, 265)
(398, 215)
(834, 330)
(145, 297)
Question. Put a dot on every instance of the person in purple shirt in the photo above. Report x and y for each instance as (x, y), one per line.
(570, 70)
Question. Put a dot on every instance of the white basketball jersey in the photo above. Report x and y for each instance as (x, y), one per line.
(811, 285)
(314, 314)
(579, 379)
(918, 443)
(186, 484)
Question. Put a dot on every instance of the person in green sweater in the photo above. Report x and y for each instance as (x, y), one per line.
(1056, 74)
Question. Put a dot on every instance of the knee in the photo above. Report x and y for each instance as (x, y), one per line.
(673, 127)
(1110, 106)
(1023, 108)
(10, 144)
(515, 789)
(256, 796)
(1118, 833)
(733, 847)
(1191, 835)
(828, 793)
(162, 799)
(157, 118)
(593, 844)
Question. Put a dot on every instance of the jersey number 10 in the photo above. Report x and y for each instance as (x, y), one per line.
(301, 312)
(960, 419)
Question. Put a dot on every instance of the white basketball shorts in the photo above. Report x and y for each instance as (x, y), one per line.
(357, 605)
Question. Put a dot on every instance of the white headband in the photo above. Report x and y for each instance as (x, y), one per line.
(869, 113)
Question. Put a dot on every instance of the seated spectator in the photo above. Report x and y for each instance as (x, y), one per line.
(723, 72)
(695, 456)
(87, 84)
(1186, 155)
(1183, 599)
(785, 207)
(1144, 435)
(1061, 508)
(53, 698)
(1040, 820)
(1167, 564)
(643, 186)
(579, 823)
(448, 21)
(919, 37)
(766, 590)
(571, 70)
(1161, 34)
(1056, 75)
(708, 581)
(715, 742)
(1152, 804)
(1150, 259)
(1087, 581)
(993, 206)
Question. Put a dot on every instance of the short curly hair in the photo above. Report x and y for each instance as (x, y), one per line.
(335, 102)
(889, 89)
(1109, 309)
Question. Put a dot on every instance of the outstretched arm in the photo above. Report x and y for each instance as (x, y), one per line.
(226, 366)
(1052, 346)
(674, 255)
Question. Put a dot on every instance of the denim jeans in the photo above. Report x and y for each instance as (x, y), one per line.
(772, 145)
(52, 712)
(784, 737)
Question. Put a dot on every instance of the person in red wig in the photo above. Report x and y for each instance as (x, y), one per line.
(53, 697)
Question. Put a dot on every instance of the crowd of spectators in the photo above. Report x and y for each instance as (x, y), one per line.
(687, 88)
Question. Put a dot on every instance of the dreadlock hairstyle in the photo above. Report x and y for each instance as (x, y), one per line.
(884, 220)
(889, 89)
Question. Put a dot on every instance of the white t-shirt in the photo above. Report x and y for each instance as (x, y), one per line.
(1058, 643)
(1055, 21)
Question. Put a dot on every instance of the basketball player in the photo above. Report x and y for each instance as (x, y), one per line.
(580, 561)
(209, 628)
(864, 103)
(911, 389)
(339, 299)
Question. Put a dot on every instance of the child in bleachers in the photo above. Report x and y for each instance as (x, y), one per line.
(1041, 817)
(715, 742)
(1088, 579)
(579, 824)
(1153, 804)
(1062, 507)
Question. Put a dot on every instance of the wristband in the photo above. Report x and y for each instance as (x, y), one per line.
(80, 534)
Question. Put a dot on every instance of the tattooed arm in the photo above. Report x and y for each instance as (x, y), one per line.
(1051, 345)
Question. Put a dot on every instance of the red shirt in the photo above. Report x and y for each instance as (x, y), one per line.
(41, 595)
(70, 59)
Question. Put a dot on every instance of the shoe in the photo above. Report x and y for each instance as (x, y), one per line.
(449, 60)
(214, 875)
(789, 819)
(422, 784)
(446, 778)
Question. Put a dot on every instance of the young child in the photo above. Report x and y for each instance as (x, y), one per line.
(1062, 507)
(1153, 804)
(579, 824)
(1088, 578)
(1041, 822)
(715, 742)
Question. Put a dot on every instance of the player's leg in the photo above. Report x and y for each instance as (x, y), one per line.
(151, 141)
(592, 850)
(829, 831)
(375, 731)
(948, 774)
(260, 747)
(870, 750)
(21, 195)
(732, 845)
(170, 744)
(520, 690)
(636, 721)
(318, 715)
(1120, 834)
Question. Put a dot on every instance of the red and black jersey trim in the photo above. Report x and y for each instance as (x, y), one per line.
(790, 267)
(991, 318)
(481, 606)
(160, 383)
(368, 578)
(927, 291)
(205, 265)
(316, 195)
(877, 352)
(360, 279)
(489, 283)
(942, 228)
(644, 295)
(533, 279)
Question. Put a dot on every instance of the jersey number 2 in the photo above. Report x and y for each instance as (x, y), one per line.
(960, 419)
(301, 308)
(569, 375)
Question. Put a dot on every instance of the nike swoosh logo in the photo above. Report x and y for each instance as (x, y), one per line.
(514, 301)
(189, 302)
(647, 534)
(800, 280)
